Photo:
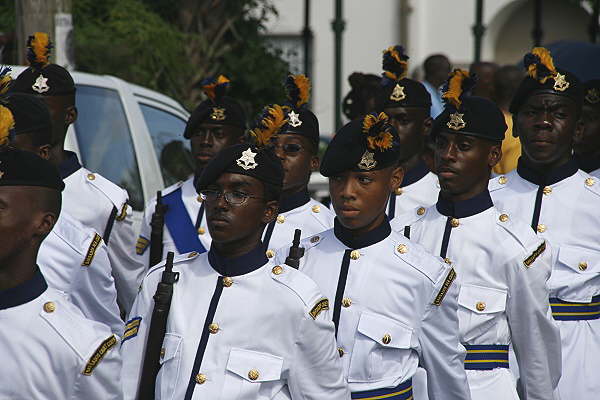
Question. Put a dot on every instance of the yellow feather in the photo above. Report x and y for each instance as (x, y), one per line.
(210, 89)
(303, 84)
(39, 45)
(455, 87)
(269, 125)
(5, 83)
(396, 56)
(546, 60)
(383, 140)
(7, 122)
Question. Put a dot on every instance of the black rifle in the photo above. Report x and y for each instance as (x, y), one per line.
(296, 252)
(158, 327)
(156, 235)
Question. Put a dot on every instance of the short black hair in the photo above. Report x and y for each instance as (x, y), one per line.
(434, 62)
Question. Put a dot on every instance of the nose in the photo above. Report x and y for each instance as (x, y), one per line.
(543, 120)
(347, 190)
(206, 139)
(447, 153)
(279, 151)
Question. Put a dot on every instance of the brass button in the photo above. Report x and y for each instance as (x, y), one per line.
(503, 217)
(192, 254)
(227, 281)
(280, 219)
(582, 266)
(316, 208)
(201, 231)
(502, 180)
(199, 199)
(277, 270)
(355, 254)
(547, 190)
(49, 307)
(213, 328)
(200, 379)
(386, 339)
(398, 191)
(346, 302)
(91, 177)
(270, 253)
(253, 374)
(421, 211)
(402, 249)
(341, 351)
(162, 352)
(480, 306)
(589, 181)
(454, 222)
(447, 260)
(541, 228)
(314, 239)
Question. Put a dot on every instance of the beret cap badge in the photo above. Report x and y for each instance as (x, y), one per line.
(592, 96)
(456, 121)
(41, 84)
(246, 161)
(294, 119)
(560, 83)
(367, 161)
(218, 114)
(398, 93)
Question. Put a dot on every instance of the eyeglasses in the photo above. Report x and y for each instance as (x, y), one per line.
(288, 148)
(234, 198)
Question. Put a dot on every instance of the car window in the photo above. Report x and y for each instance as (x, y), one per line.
(172, 150)
(105, 142)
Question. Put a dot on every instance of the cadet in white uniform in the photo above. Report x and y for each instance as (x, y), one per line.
(217, 123)
(395, 305)
(408, 104)
(256, 327)
(49, 350)
(92, 199)
(560, 203)
(586, 146)
(73, 258)
(501, 265)
(293, 132)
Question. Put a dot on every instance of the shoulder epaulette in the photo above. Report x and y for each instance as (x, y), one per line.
(304, 287)
(415, 255)
(592, 184)
(498, 182)
(176, 260)
(117, 195)
(71, 231)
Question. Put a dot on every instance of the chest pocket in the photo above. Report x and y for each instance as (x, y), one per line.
(252, 375)
(170, 364)
(480, 309)
(576, 274)
(382, 347)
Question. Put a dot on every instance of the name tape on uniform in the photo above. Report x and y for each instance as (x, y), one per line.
(320, 306)
(92, 250)
(449, 279)
(99, 355)
(529, 260)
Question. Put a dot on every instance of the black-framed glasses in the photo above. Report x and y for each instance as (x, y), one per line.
(288, 148)
(234, 198)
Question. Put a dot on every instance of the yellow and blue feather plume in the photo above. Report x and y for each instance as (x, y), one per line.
(268, 124)
(378, 131)
(38, 50)
(215, 87)
(459, 83)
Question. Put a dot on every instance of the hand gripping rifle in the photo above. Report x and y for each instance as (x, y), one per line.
(156, 235)
(296, 252)
(158, 327)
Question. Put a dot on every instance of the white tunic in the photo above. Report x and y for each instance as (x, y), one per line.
(414, 193)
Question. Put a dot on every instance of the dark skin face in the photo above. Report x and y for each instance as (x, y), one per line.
(546, 124)
(63, 113)
(413, 125)
(209, 139)
(463, 164)
(25, 142)
(587, 142)
(237, 229)
(297, 165)
(24, 223)
(360, 198)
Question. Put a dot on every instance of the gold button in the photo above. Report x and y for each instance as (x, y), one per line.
(314, 239)
(341, 351)
(280, 219)
(316, 208)
(201, 231)
(454, 222)
(355, 254)
(502, 180)
(200, 379)
(386, 339)
(547, 190)
(503, 217)
(162, 352)
(193, 254)
(277, 270)
(227, 281)
(541, 228)
(398, 191)
(346, 302)
(253, 374)
(589, 181)
(582, 266)
(91, 177)
(447, 260)
(480, 306)
(421, 211)
(49, 307)
(270, 253)
(402, 249)
(213, 328)
(199, 199)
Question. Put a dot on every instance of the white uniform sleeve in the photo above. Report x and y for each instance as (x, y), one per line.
(317, 371)
(100, 376)
(534, 334)
(142, 247)
(442, 355)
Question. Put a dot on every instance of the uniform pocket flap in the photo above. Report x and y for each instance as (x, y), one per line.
(170, 347)
(578, 259)
(385, 331)
(254, 366)
(482, 300)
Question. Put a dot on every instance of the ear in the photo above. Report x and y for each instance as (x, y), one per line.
(271, 211)
(515, 131)
(71, 115)
(396, 178)
(44, 151)
(45, 224)
(579, 129)
(427, 126)
(314, 163)
(495, 155)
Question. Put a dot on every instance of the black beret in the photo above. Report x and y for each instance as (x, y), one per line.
(477, 116)
(23, 168)
(301, 120)
(366, 144)
(403, 93)
(592, 92)
(244, 159)
(543, 77)
(29, 112)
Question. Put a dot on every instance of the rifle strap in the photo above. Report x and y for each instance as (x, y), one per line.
(180, 225)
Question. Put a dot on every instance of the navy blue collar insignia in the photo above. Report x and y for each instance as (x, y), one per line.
(550, 177)
(241, 265)
(23, 293)
(464, 208)
(293, 201)
(415, 174)
(353, 241)
(588, 164)
(69, 166)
